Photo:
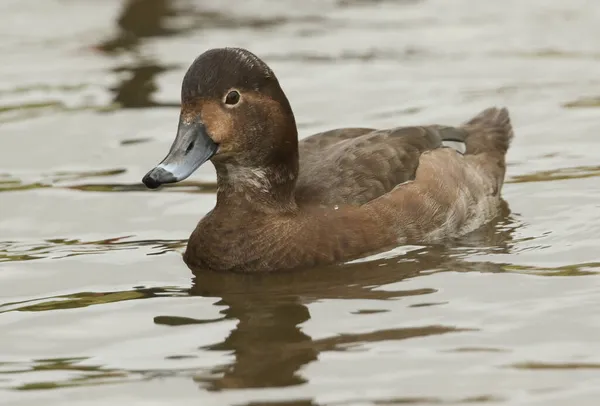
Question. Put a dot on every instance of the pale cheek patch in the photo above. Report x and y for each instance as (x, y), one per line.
(218, 123)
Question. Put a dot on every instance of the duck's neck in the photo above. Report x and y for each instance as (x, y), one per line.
(264, 177)
(263, 188)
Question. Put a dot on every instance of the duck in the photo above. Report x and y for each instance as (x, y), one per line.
(339, 195)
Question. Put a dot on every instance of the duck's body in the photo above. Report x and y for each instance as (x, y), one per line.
(332, 197)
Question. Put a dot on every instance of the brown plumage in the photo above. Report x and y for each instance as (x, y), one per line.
(332, 197)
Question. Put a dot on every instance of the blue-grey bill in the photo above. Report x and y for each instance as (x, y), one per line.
(192, 147)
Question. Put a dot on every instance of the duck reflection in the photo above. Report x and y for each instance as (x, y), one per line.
(269, 345)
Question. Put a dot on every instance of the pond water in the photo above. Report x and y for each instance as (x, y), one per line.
(97, 307)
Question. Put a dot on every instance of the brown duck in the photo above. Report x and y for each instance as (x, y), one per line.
(334, 196)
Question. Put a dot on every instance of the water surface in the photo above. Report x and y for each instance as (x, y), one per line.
(97, 307)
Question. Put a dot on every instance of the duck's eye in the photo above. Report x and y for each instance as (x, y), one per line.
(232, 98)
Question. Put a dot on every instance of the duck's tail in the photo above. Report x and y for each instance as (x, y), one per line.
(489, 132)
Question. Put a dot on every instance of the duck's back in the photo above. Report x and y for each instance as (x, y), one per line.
(357, 165)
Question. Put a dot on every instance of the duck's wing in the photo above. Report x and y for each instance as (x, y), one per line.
(355, 166)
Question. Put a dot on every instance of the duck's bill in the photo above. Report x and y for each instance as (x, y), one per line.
(192, 147)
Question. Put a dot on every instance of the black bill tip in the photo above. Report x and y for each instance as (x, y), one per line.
(158, 176)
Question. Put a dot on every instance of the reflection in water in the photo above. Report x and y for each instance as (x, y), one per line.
(139, 19)
(578, 172)
(437, 401)
(89, 374)
(268, 342)
(136, 90)
(269, 345)
(586, 102)
(61, 248)
(85, 299)
(284, 403)
(541, 365)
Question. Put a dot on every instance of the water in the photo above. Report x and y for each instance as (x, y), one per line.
(97, 307)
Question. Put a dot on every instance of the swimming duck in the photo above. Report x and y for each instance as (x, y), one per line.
(332, 197)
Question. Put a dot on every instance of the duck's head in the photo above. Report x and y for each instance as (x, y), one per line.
(234, 113)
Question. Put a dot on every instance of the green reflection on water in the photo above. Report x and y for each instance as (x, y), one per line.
(555, 366)
(583, 269)
(585, 102)
(578, 172)
(92, 374)
(85, 299)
